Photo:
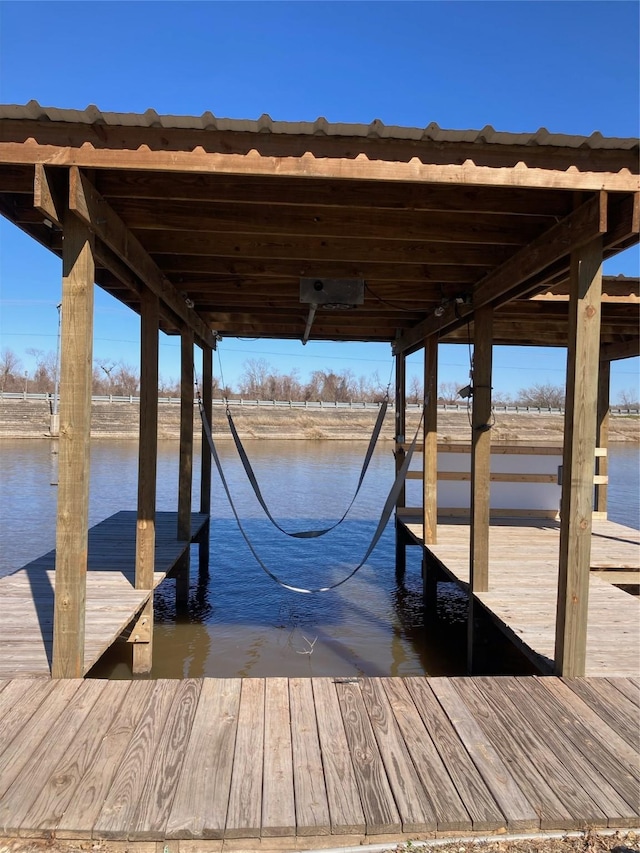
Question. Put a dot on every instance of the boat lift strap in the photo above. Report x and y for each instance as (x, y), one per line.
(389, 505)
(307, 534)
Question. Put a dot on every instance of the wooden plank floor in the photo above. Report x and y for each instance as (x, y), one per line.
(289, 762)
(523, 584)
(26, 625)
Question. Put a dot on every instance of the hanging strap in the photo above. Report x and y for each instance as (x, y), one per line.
(384, 518)
(307, 534)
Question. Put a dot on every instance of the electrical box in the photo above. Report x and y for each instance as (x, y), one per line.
(332, 292)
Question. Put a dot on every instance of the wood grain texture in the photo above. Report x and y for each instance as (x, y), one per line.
(532, 740)
(515, 806)
(278, 806)
(64, 776)
(112, 602)
(82, 812)
(145, 759)
(549, 808)
(380, 811)
(76, 376)
(28, 729)
(578, 460)
(556, 728)
(58, 738)
(472, 789)
(414, 806)
(312, 807)
(199, 809)
(156, 796)
(244, 814)
(523, 595)
(343, 797)
(120, 805)
(448, 807)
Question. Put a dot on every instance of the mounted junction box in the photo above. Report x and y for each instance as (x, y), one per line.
(332, 292)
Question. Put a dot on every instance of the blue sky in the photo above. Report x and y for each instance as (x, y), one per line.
(571, 67)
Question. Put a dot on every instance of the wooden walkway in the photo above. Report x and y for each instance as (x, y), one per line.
(523, 588)
(26, 624)
(307, 762)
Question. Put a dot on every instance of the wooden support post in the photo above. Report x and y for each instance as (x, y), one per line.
(186, 436)
(578, 461)
(429, 587)
(480, 464)
(76, 375)
(430, 454)
(602, 437)
(147, 465)
(182, 574)
(204, 545)
(481, 448)
(401, 416)
(207, 404)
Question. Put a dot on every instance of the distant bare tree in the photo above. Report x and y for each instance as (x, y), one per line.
(10, 370)
(628, 398)
(542, 395)
(253, 380)
(126, 380)
(448, 392)
(416, 392)
(44, 376)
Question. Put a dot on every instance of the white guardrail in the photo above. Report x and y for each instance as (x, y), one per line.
(310, 404)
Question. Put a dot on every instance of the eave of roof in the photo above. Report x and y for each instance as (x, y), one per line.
(33, 111)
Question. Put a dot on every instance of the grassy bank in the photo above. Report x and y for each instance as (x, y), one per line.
(31, 419)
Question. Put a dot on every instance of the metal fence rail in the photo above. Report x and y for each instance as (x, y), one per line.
(312, 404)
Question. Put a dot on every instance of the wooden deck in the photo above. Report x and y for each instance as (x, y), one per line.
(523, 584)
(315, 762)
(26, 626)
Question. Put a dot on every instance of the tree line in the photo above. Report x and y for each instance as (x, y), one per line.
(259, 381)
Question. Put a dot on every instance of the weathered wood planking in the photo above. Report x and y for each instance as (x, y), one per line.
(26, 629)
(523, 588)
(221, 759)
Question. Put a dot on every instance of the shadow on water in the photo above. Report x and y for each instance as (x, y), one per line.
(238, 622)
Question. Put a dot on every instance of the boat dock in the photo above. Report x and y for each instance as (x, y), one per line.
(26, 628)
(250, 764)
(523, 586)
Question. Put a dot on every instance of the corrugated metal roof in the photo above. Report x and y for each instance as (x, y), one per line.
(207, 121)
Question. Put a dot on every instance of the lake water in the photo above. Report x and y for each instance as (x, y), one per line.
(238, 621)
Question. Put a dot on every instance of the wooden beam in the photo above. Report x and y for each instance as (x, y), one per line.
(50, 192)
(147, 465)
(88, 205)
(207, 404)
(76, 375)
(430, 454)
(230, 268)
(328, 193)
(602, 437)
(584, 224)
(622, 349)
(295, 220)
(616, 178)
(185, 476)
(578, 460)
(311, 249)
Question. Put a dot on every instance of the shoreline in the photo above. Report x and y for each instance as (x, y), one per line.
(30, 419)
